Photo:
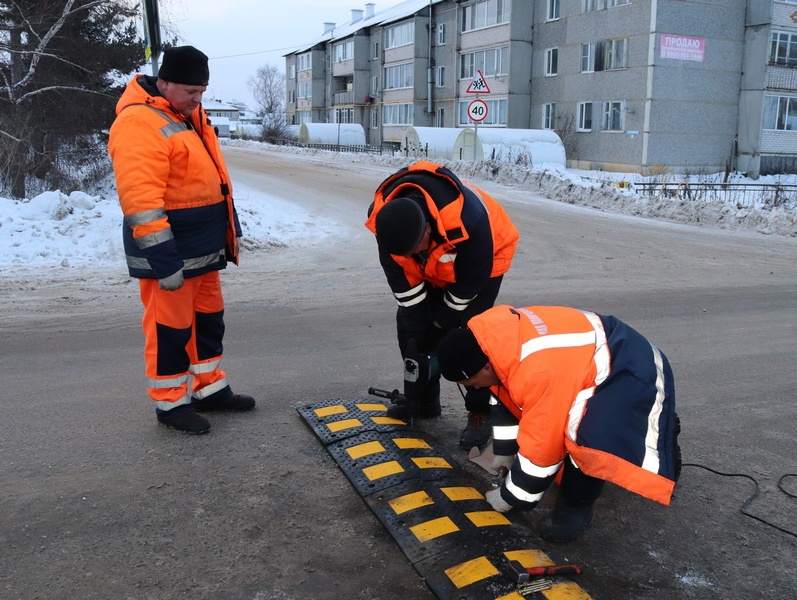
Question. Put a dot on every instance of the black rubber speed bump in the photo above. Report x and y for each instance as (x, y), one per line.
(433, 508)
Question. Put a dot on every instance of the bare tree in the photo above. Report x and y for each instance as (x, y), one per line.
(566, 130)
(60, 62)
(268, 88)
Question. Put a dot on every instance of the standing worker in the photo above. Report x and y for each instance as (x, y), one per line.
(577, 394)
(444, 246)
(180, 229)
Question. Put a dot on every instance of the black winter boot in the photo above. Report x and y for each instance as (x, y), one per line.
(230, 402)
(183, 418)
(566, 522)
(426, 409)
(477, 432)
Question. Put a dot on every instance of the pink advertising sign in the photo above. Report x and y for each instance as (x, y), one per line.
(680, 47)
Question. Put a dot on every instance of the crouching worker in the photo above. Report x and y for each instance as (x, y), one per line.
(579, 397)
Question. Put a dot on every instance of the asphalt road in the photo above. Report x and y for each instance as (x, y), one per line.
(97, 501)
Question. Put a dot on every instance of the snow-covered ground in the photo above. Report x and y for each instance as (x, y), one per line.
(80, 229)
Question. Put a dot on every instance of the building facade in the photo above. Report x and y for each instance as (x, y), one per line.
(629, 85)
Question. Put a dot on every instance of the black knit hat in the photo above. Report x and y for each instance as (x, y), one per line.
(400, 226)
(460, 355)
(184, 64)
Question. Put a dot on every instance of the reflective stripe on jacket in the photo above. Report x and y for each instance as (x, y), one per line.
(173, 187)
(585, 385)
(472, 240)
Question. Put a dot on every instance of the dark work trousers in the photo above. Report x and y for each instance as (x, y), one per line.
(477, 401)
(576, 488)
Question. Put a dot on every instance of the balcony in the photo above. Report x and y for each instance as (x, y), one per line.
(343, 98)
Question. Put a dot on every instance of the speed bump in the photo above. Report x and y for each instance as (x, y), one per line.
(434, 509)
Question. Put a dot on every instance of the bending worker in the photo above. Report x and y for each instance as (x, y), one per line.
(578, 395)
(180, 229)
(444, 246)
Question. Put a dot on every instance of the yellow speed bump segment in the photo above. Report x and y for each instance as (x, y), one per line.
(434, 509)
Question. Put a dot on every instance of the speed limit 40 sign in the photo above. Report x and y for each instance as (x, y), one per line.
(477, 110)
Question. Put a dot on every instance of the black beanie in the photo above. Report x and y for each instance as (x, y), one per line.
(186, 65)
(460, 355)
(400, 226)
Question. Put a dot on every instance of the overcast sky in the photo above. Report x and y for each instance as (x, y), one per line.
(241, 35)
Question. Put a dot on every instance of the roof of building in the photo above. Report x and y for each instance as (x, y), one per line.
(394, 13)
(212, 104)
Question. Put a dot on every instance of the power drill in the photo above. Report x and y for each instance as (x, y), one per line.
(419, 369)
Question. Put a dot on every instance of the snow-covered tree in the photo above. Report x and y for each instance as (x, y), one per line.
(268, 88)
(62, 65)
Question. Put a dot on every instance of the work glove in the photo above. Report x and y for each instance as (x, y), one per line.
(503, 461)
(172, 282)
(496, 501)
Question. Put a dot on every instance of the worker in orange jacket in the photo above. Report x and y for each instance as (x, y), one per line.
(180, 229)
(444, 246)
(579, 396)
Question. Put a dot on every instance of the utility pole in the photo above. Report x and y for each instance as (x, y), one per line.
(152, 33)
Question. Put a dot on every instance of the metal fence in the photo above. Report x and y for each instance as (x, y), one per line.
(739, 194)
(386, 148)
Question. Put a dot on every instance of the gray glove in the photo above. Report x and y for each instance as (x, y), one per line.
(497, 502)
(503, 461)
(172, 282)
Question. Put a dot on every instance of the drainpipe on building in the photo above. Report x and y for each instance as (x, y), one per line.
(429, 86)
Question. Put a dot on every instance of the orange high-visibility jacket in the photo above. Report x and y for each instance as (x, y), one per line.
(585, 385)
(173, 187)
(472, 240)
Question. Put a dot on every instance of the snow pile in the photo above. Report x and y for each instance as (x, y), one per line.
(598, 189)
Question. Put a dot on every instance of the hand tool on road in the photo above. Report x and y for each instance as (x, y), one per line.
(523, 575)
(419, 369)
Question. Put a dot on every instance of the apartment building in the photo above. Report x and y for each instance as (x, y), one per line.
(629, 85)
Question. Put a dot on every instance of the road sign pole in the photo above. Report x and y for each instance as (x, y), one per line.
(475, 134)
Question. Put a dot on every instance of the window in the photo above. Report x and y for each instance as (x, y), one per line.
(618, 2)
(591, 5)
(490, 62)
(783, 49)
(305, 90)
(780, 112)
(616, 53)
(549, 116)
(303, 116)
(441, 76)
(374, 50)
(551, 61)
(374, 118)
(398, 76)
(584, 116)
(613, 116)
(292, 72)
(344, 115)
(303, 62)
(587, 58)
(496, 112)
(343, 51)
(291, 96)
(397, 114)
(440, 120)
(441, 34)
(553, 10)
(374, 85)
(484, 14)
(400, 35)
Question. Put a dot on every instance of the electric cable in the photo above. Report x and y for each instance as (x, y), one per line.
(749, 501)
